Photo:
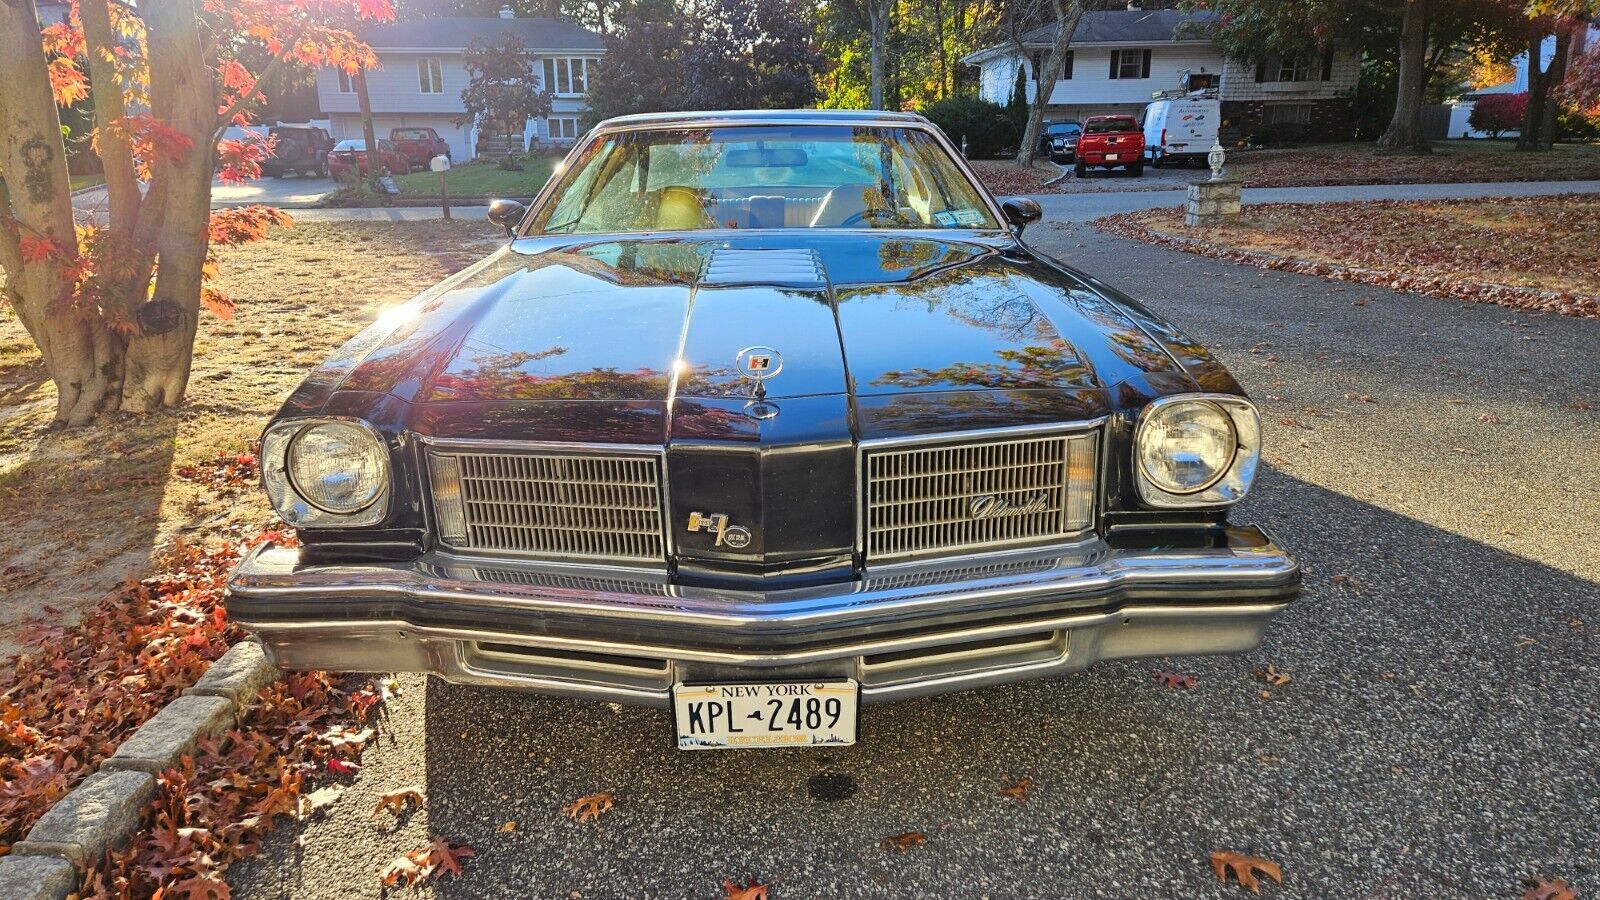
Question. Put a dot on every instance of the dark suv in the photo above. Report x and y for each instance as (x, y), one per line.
(1060, 141)
(299, 148)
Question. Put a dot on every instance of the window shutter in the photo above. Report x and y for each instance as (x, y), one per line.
(1144, 68)
(1327, 65)
(1066, 67)
(1115, 59)
(1261, 70)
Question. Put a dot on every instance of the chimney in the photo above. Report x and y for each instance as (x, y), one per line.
(506, 12)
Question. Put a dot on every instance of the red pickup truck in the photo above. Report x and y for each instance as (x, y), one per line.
(1110, 141)
(418, 145)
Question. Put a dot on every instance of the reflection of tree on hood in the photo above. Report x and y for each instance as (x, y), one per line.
(501, 376)
(1033, 366)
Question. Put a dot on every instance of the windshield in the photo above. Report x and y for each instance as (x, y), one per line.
(1063, 128)
(1111, 126)
(411, 134)
(351, 145)
(763, 176)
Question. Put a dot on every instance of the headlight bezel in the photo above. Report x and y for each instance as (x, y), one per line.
(293, 506)
(1237, 474)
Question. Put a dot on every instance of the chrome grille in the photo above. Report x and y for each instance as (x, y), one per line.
(939, 499)
(549, 505)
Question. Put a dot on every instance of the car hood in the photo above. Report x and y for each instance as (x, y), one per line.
(878, 334)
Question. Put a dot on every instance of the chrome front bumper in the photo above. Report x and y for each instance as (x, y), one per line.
(902, 632)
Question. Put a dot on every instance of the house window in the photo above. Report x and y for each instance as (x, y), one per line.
(1294, 68)
(1289, 114)
(430, 75)
(568, 75)
(1130, 64)
(347, 83)
(563, 129)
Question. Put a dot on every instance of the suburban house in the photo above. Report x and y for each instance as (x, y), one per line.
(421, 78)
(1119, 59)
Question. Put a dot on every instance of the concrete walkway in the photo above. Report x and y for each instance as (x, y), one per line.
(1085, 206)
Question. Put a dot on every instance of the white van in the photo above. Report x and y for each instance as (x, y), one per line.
(1180, 129)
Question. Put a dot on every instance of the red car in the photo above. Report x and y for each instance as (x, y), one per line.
(352, 154)
(1108, 142)
(419, 145)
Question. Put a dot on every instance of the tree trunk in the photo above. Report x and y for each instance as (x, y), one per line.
(1538, 89)
(1067, 12)
(878, 17)
(1405, 128)
(1545, 134)
(183, 95)
(38, 207)
(368, 134)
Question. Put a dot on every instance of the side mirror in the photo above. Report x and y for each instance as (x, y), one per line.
(1020, 212)
(508, 213)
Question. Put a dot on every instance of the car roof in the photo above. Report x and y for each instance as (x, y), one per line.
(765, 117)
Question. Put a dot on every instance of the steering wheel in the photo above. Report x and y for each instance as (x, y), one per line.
(871, 213)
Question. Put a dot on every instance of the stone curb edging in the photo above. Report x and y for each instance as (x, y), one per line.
(105, 809)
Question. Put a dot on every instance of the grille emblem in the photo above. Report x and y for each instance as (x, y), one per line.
(735, 536)
(988, 506)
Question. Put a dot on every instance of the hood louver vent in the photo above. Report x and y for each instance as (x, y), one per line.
(798, 268)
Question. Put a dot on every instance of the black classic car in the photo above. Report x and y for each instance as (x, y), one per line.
(759, 416)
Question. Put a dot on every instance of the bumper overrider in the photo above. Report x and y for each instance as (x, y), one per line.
(902, 632)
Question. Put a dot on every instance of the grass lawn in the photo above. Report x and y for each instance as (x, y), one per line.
(481, 179)
(82, 510)
(1450, 161)
(1523, 252)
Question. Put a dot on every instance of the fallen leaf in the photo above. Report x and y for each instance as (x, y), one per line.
(1353, 582)
(1488, 418)
(1268, 759)
(1526, 640)
(1270, 674)
(397, 801)
(343, 766)
(1548, 889)
(903, 842)
(1361, 398)
(1575, 623)
(448, 856)
(1018, 790)
(1175, 680)
(320, 799)
(508, 827)
(1244, 868)
(751, 891)
(589, 806)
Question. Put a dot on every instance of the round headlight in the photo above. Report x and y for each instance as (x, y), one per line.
(1185, 448)
(337, 467)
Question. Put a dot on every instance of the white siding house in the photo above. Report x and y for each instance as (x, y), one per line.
(421, 77)
(1461, 108)
(1119, 58)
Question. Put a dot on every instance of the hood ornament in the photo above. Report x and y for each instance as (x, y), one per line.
(758, 364)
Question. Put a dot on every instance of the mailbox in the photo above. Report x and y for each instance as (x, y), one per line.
(440, 163)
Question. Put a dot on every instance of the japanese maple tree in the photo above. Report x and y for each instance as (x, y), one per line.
(113, 304)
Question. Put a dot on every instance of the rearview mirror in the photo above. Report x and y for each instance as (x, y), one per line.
(1021, 212)
(766, 158)
(507, 214)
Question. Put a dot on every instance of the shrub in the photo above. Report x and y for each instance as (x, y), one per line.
(1498, 113)
(986, 126)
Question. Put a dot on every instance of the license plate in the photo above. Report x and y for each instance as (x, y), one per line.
(1111, 157)
(750, 716)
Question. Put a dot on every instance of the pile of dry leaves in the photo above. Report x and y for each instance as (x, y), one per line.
(1533, 253)
(68, 704)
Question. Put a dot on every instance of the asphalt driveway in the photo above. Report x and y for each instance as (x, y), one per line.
(1436, 467)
